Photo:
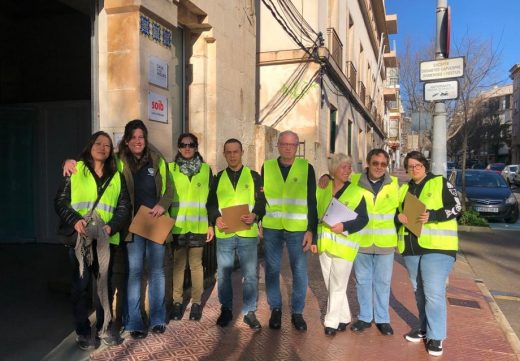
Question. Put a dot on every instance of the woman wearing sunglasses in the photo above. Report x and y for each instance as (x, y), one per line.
(192, 178)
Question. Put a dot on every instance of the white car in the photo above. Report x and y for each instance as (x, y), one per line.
(509, 173)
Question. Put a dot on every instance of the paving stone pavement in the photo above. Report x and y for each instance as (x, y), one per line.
(473, 333)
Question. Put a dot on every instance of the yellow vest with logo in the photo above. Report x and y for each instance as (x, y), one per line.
(189, 200)
(162, 171)
(335, 244)
(286, 206)
(434, 235)
(380, 230)
(84, 192)
(244, 193)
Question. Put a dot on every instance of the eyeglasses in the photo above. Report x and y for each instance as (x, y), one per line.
(188, 145)
(379, 164)
(287, 144)
(415, 166)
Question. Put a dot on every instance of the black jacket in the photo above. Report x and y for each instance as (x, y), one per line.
(68, 215)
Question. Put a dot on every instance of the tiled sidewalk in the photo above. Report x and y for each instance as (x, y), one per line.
(473, 333)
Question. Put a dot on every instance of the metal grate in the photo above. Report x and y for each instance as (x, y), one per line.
(463, 303)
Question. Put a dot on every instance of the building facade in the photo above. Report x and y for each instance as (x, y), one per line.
(324, 75)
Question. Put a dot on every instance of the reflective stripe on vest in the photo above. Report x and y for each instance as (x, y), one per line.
(189, 200)
(84, 192)
(244, 193)
(335, 244)
(434, 235)
(380, 230)
(286, 206)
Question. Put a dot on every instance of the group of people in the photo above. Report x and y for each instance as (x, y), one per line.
(285, 208)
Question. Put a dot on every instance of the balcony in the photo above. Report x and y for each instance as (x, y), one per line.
(390, 59)
(335, 46)
(391, 23)
(351, 73)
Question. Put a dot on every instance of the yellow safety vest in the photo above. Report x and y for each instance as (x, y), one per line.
(189, 200)
(243, 194)
(335, 244)
(380, 230)
(286, 206)
(84, 192)
(162, 171)
(434, 235)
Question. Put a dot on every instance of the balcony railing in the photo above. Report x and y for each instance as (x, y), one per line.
(362, 91)
(335, 46)
(351, 73)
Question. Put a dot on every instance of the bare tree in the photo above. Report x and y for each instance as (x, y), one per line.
(481, 61)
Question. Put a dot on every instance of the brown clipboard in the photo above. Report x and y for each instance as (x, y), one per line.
(156, 229)
(413, 208)
(231, 217)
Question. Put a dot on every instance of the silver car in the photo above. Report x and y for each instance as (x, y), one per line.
(509, 173)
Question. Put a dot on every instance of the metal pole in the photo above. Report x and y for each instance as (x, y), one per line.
(439, 116)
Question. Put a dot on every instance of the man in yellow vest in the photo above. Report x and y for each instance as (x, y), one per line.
(289, 185)
(233, 186)
(374, 263)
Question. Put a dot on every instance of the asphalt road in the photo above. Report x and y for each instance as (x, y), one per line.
(495, 258)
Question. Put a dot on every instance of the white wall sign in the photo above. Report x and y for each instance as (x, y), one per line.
(157, 107)
(158, 72)
(442, 90)
(442, 69)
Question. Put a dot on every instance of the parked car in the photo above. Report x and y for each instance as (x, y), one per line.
(488, 194)
(497, 167)
(509, 173)
(516, 177)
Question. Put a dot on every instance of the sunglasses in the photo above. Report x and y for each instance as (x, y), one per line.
(377, 164)
(188, 145)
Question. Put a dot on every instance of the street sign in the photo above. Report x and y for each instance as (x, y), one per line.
(442, 69)
(441, 90)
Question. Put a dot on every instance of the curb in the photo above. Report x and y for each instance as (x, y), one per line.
(474, 228)
(506, 328)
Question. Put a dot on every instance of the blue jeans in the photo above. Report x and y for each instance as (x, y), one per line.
(428, 274)
(81, 296)
(246, 247)
(274, 240)
(139, 249)
(373, 280)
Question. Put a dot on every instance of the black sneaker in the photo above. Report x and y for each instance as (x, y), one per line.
(275, 322)
(342, 326)
(415, 336)
(83, 342)
(177, 311)
(251, 320)
(157, 329)
(298, 322)
(226, 315)
(196, 312)
(434, 347)
(112, 341)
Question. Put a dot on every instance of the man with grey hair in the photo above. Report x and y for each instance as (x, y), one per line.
(289, 185)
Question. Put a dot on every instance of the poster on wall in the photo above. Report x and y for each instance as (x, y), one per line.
(157, 107)
(158, 72)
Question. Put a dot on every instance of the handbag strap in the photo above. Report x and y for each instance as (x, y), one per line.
(100, 194)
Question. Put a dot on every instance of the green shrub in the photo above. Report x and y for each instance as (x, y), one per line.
(472, 218)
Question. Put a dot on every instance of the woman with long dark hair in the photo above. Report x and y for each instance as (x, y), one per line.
(149, 184)
(192, 178)
(98, 231)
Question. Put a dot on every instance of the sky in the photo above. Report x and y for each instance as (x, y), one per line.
(496, 20)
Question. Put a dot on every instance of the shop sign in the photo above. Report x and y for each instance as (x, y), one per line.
(158, 72)
(157, 107)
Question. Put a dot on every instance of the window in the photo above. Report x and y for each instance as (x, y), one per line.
(332, 130)
(349, 138)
